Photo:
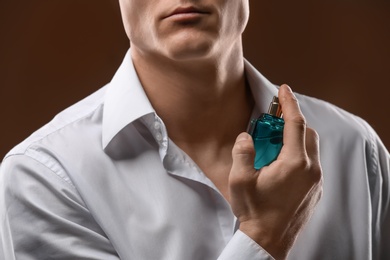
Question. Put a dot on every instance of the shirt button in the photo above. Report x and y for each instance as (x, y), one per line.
(159, 137)
(157, 125)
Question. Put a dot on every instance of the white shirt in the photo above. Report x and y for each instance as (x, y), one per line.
(103, 180)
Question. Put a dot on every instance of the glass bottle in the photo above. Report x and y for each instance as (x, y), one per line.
(267, 134)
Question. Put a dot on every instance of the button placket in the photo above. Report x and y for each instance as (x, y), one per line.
(160, 133)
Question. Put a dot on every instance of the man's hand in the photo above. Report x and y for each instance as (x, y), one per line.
(273, 203)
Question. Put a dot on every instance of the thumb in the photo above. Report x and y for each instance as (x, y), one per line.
(243, 154)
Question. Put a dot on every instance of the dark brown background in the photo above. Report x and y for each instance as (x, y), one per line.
(53, 53)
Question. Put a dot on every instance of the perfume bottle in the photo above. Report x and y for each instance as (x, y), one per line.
(267, 134)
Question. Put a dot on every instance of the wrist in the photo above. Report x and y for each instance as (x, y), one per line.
(275, 245)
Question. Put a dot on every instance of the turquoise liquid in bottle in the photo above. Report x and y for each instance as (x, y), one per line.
(267, 134)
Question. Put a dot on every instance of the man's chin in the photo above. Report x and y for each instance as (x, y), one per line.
(190, 51)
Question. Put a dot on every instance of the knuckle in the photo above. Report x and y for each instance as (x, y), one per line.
(243, 147)
(235, 183)
(316, 173)
(299, 119)
(312, 134)
(312, 171)
(240, 182)
(302, 164)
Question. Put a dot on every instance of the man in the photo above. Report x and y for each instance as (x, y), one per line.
(157, 164)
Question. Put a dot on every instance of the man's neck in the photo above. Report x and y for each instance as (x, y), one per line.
(198, 100)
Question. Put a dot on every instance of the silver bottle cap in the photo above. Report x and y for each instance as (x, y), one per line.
(274, 108)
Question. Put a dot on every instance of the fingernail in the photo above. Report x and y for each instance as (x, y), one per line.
(288, 88)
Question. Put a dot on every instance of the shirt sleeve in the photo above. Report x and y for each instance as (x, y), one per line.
(43, 217)
(244, 248)
(377, 163)
(382, 218)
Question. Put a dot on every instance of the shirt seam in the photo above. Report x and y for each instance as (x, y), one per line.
(62, 179)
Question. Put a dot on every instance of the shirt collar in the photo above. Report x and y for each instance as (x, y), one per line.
(126, 100)
(262, 89)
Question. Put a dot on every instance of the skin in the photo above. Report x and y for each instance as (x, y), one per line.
(194, 61)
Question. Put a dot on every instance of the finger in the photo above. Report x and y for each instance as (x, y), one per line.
(243, 154)
(312, 145)
(295, 123)
(313, 153)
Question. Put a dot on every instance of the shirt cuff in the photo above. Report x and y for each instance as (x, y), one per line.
(244, 248)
